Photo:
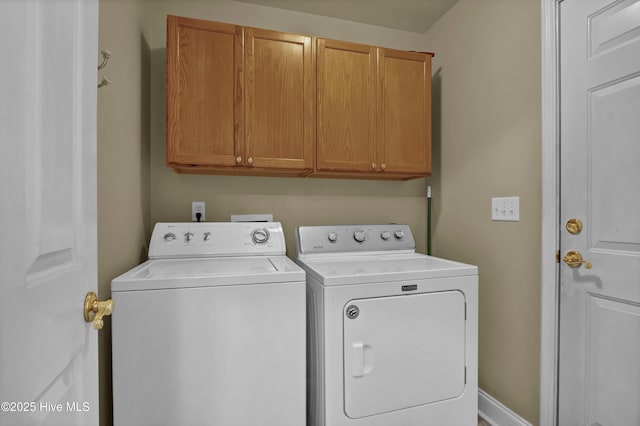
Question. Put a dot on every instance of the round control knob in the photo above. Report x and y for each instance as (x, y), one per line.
(333, 237)
(260, 236)
(169, 236)
(359, 236)
(399, 235)
(385, 235)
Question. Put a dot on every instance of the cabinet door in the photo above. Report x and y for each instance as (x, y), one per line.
(279, 100)
(404, 112)
(346, 107)
(204, 92)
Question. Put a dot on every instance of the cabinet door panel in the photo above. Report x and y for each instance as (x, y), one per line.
(346, 106)
(279, 100)
(204, 109)
(404, 120)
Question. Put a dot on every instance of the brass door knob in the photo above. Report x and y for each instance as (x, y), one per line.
(574, 259)
(574, 226)
(95, 310)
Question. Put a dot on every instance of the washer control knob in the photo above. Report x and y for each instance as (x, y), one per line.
(333, 237)
(187, 236)
(359, 236)
(399, 235)
(260, 236)
(385, 235)
(169, 236)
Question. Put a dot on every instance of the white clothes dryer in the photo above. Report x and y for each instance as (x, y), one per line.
(210, 330)
(392, 334)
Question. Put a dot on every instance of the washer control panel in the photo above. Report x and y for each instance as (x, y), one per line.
(359, 236)
(353, 238)
(207, 239)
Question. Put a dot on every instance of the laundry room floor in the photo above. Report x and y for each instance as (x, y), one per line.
(483, 422)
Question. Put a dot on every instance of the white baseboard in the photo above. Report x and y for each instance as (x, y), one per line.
(494, 412)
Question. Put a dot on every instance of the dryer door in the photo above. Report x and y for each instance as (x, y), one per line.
(403, 351)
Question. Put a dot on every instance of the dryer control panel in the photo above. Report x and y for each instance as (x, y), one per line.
(213, 239)
(353, 238)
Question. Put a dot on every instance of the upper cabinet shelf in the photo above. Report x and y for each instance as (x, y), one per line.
(248, 101)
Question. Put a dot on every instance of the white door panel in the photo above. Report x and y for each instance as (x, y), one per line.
(48, 354)
(613, 370)
(403, 351)
(599, 376)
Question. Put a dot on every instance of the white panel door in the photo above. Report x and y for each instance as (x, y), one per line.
(599, 368)
(403, 351)
(48, 79)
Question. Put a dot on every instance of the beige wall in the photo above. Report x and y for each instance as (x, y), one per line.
(123, 160)
(293, 201)
(487, 144)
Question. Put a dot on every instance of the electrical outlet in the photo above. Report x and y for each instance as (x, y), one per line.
(197, 207)
(505, 209)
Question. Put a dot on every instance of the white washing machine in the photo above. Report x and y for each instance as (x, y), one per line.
(392, 334)
(210, 330)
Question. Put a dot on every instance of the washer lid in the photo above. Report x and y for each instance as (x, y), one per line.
(354, 269)
(210, 272)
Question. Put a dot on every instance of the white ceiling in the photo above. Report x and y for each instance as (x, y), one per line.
(406, 15)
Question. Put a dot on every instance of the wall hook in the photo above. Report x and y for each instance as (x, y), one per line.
(104, 82)
(105, 58)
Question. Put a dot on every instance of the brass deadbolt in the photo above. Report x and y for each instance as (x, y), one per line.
(574, 226)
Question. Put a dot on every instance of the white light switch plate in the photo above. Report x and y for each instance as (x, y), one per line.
(505, 209)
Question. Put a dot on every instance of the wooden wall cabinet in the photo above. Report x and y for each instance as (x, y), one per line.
(280, 104)
(250, 101)
(205, 106)
(346, 110)
(239, 100)
(404, 112)
(374, 112)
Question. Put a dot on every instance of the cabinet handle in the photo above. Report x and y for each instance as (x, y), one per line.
(373, 166)
(383, 166)
(238, 160)
(250, 160)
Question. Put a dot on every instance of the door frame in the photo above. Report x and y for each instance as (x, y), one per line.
(550, 271)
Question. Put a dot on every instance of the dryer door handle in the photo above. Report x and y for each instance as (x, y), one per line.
(362, 359)
(358, 359)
